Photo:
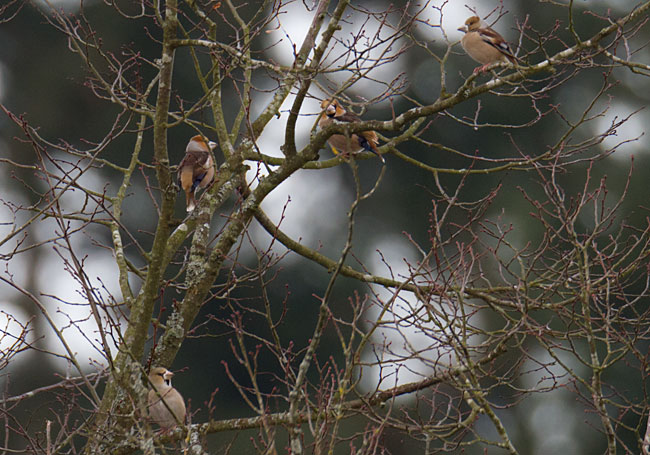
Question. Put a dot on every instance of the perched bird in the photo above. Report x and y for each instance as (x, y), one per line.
(484, 44)
(197, 168)
(348, 144)
(163, 398)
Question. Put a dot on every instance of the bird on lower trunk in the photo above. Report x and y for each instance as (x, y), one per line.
(165, 404)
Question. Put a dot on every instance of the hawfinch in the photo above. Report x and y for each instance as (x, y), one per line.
(348, 144)
(161, 380)
(197, 168)
(484, 44)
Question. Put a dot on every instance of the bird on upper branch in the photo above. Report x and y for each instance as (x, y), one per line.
(163, 400)
(348, 144)
(484, 44)
(196, 170)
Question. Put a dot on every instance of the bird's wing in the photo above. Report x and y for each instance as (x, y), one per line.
(492, 38)
(194, 164)
(347, 117)
(368, 140)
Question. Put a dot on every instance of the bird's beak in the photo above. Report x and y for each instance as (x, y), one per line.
(168, 375)
(462, 29)
(212, 145)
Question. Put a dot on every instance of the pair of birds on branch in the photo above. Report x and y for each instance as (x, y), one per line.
(197, 169)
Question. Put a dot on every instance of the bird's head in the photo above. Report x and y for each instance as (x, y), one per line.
(160, 375)
(471, 24)
(332, 108)
(199, 144)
